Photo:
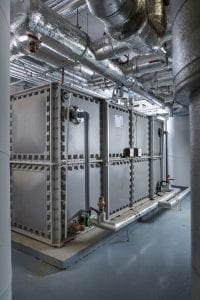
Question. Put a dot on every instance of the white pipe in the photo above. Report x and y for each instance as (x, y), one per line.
(170, 203)
(5, 239)
(137, 213)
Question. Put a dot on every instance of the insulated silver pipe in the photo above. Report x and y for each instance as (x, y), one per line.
(137, 212)
(140, 65)
(137, 23)
(108, 48)
(186, 69)
(5, 238)
(45, 53)
(39, 19)
(70, 6)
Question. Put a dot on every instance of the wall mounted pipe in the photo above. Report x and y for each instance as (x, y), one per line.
(186, 69)
(5, 238)
(36, 17)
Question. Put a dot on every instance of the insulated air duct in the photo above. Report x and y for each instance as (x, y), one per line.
(186, 68)
(19, 47)
(140, 65)
(136, 24)
(37, 18)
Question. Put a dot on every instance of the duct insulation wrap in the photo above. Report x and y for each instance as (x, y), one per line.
(186, 69)
(136, 25)
(39, 19)
(5, 239)
(186, 48)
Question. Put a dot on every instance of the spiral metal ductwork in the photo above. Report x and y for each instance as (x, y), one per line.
(140, 65)
(45, 53)
(186, 69)
(35, 17)
(139, 23)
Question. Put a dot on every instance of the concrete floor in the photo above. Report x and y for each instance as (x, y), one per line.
(154, 264)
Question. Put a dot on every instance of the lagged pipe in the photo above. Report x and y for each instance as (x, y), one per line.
(42, 21)
(136, 24)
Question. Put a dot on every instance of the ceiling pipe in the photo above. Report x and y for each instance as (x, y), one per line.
(138, 25)
(108, 48)
(31, 69)
(36, 17)
(158, 76)
(67, 7)
(186, 71)
(155, 84)
(141, 65)
(50, 53)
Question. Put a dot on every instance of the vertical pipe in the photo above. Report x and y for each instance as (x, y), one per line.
(105, 153)
(151, 192)
(131, 136)
(87, 161)
(5, 240)
(166, 153)
(195, 191)
(162, 156)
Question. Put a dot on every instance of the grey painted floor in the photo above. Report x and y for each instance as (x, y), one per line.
(153, 265)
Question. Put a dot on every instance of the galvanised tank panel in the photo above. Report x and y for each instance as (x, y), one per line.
(75, 188)
(158, 124)
(119, 186)
(141, 137)
(29, 205)
(141, 179)
(29, 133)
(30, 119)
(67, 151)
(95, 184)
(34, 201)
(156, 173)
(118, 130)
(76, 133)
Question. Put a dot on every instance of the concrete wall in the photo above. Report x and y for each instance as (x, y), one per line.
(179, 150)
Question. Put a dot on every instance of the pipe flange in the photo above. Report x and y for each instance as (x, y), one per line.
(186, 49)
(187, 81)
